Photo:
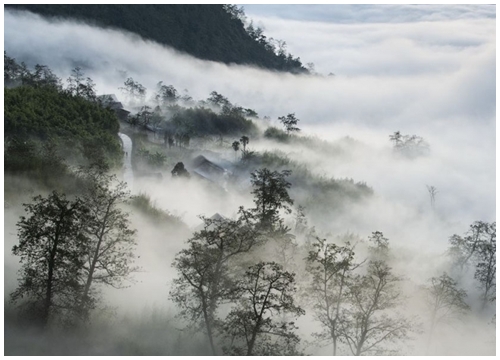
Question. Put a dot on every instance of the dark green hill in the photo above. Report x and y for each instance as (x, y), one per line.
(77, 125)
(210, 32)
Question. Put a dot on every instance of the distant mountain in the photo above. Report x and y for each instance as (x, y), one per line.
(209, 32)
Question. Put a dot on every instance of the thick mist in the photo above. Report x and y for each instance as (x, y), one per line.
(432, 76)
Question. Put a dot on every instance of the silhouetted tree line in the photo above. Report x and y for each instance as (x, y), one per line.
(210, 32)
(247, 305)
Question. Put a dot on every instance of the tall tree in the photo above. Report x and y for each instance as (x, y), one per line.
(236, 146)
(166, 94)
(51, 244)
(134, 90)
(290, 123)
(445, 301)
(205, 273)
(330, 267)
(218, 100)
(244, 141)
(432, 194)
(265, 291)
(41, 76)
(110, 249)
(270, 190)
(79, 86)
(478, 248)
(372, 323)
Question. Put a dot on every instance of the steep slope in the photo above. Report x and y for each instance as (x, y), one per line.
(205, 31)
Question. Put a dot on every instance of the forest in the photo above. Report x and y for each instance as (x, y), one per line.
(142, 218)
(210, 32)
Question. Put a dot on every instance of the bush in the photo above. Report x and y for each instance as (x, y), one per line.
(143, 204)
(276, 134)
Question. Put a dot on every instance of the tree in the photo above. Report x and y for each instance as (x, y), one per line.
(110, 241)
(300, 220)
(78, 86)
(289, 122)
(235, 12)
(218, 100)
(432, 193)
(264, 291)
(42, 76)
(380, 248)
(270, 190)
(370, 323)
(205, 269)
(166, 94)
(330, 267)
(51, 244)
(180, 171)
(250, 113)
(144, 116)
(11, 69)
(236, 146)
(445, 301)
(478, 248)
(411, 146)
(244, 141)
(133, 90)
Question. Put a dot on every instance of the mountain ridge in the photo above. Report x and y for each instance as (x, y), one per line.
(208, 32)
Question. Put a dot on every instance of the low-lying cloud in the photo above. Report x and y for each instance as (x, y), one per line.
(424, 72)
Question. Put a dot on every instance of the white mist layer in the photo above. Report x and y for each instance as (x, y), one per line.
(433, 79)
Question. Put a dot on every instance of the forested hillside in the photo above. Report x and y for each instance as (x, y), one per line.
(158, 204)
(209, 32)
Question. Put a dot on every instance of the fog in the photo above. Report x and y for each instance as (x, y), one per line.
(429, 72)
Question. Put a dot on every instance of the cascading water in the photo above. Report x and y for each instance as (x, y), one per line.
(128, 175)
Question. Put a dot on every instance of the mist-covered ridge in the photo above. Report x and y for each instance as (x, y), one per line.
(219, 33)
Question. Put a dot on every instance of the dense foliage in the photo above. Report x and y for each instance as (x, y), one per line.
(80, 127)
(46, 113)
(210, 32)
(203, 121)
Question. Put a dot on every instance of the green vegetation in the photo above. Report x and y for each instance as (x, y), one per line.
(203, 121)
(44, 113)
(145, 206)
(333, 192)
(276, 134)
(48, 127)
(40, 110)
(210, 32)
(67, 246)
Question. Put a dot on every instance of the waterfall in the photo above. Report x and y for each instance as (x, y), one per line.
(128, 175)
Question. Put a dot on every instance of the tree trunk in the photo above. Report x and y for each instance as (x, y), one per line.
(48, 291)
(208, 324)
